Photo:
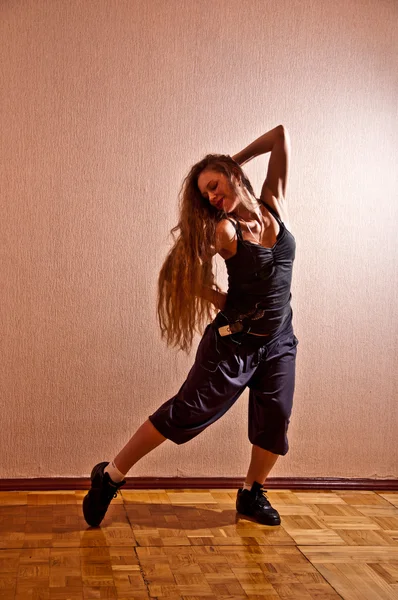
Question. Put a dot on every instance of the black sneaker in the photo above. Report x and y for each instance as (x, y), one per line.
(254, 504)
(103, 490)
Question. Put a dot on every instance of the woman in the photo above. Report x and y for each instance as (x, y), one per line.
(250, 343)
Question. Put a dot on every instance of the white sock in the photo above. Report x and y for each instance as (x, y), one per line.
(114, 472)
(246, 486)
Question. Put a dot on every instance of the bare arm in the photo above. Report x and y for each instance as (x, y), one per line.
(261, 145)
(225, 245)
(213, 296)
(276, 141)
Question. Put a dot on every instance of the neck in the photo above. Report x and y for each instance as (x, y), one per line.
(249, 214)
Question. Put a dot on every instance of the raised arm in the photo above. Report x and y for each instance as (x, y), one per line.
(276, 141)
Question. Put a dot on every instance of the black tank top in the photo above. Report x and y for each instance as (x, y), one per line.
(259, 282)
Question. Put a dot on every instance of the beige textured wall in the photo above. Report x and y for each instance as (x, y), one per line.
(104, 107)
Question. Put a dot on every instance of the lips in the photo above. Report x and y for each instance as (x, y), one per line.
(219, 204)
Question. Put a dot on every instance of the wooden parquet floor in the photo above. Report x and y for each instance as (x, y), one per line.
(190, 545)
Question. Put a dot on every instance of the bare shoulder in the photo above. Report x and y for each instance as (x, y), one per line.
(225, 228)
(225, 238)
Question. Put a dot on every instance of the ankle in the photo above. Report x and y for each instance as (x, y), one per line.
(114, 473)
(248, 484)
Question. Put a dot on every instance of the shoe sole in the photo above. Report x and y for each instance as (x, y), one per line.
(94, 471)
(89, 524)
(254, 520)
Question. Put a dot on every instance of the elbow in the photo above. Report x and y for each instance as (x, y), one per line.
(283, 131)
(285, 138)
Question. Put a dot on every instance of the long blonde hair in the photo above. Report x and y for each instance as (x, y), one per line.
(188, 266)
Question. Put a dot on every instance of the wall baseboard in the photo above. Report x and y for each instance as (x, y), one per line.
(153, 483)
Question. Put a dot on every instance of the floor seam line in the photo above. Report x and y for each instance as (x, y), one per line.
(317, 570)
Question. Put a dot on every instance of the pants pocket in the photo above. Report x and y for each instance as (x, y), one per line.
(212, 350)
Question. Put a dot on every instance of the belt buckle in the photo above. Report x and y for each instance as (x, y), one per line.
(230, 329)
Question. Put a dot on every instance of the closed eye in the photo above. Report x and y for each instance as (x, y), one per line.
(212, 188)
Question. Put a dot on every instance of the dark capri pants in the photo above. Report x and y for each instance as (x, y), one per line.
(223, 368)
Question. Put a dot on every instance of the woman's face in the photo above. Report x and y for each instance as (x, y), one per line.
(216, 188)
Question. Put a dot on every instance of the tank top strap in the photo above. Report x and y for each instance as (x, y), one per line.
(238, 229)
(273, 212)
